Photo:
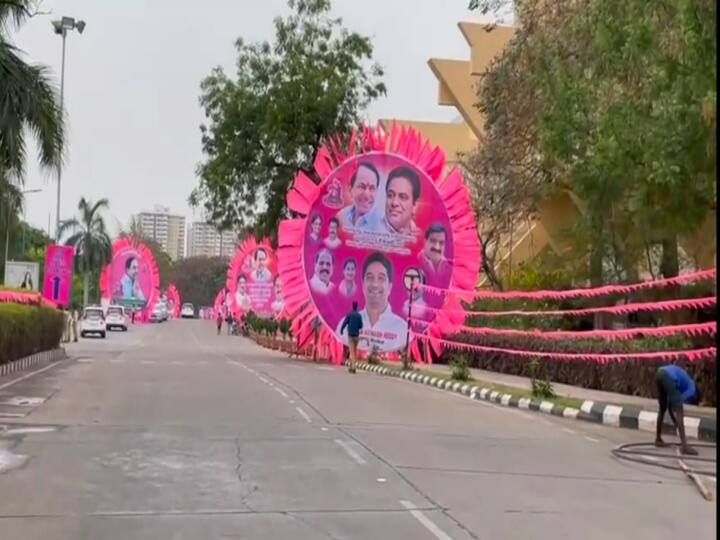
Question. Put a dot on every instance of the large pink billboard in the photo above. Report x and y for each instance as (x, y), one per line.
(253, 281)
(131, 279)
(57, 280)
(377, 223)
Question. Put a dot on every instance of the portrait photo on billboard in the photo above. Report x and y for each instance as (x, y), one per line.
(378, 225)
(253, 283)
(22, 275)
(131, 277)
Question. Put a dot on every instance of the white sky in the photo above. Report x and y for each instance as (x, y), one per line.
(132, 86)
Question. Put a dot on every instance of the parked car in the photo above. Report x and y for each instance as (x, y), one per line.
(158, 313)
(93, 321)
(116, 318)
(187, 311)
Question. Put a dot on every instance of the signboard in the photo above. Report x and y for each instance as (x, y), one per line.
(57, 282)
(22, 275)
(131, 279)
(253, 282)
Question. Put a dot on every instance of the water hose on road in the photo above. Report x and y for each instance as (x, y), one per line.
(649, 454)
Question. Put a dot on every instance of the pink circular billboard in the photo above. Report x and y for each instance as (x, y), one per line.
(253, 281)
(378, 225)
(131, 279)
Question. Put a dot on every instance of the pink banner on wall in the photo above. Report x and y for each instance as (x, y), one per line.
(57, 281)
(253, 282)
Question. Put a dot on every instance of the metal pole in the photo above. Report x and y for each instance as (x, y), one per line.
(409, 322)
(59, 162)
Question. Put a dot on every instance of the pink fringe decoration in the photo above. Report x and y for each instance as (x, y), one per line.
(408, 143)
(576, 293)
(174, 295)
(691, 355)
(33, 299)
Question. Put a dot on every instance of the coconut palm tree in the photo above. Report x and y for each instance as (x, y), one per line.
(29, 103)
(93, 248)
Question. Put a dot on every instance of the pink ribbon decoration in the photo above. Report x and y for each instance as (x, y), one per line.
(624, 309)
(608, 335)
(691, 355)
(576, 293)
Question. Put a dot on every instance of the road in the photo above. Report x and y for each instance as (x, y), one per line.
(171, 432)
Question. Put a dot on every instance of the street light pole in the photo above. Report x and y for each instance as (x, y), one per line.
(62, 27)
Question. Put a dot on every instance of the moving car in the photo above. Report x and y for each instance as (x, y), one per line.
(187, 311)
(93, 321)
(158, 313)
(116, 318)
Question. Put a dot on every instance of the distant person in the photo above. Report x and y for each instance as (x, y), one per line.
(242, 298)
(675, 387)
(432, 258)
(333, 240)
(364, 185)
(324, 264)
(27, 282)
(402, 192)
(354, 323)
(261, 272)
(130, 285)
(219, 321)
(347, 286)
(316, 227)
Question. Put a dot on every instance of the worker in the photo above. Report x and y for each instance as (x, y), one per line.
(675, 387)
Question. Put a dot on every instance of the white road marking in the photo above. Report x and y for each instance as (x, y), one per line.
(323, 368)
(425, 521)
(28, 375)
(568, 430)
(324, 429)
(263, 379)
(292, 402)
(591, 439)
(117, 361)
(351, 452)
(381, 480)
(279, 391)
(303, 414)
(234, 363)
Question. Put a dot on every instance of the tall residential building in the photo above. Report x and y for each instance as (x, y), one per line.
(205, 240)
(166, 229)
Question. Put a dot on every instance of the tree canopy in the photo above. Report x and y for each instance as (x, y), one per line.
(313, 81)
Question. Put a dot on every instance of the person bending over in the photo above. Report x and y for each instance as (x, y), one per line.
(675, 387)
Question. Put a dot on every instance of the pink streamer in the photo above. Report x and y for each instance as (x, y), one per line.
(691, 355)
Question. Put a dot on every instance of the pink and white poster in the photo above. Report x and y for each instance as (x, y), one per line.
(57, 280)
(253, 282)
(378, 224)
(131, 279)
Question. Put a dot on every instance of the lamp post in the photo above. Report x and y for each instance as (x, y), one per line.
(62, 27)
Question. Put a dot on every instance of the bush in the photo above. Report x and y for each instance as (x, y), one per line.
(460, 367)
(26, 330)
(540, 386)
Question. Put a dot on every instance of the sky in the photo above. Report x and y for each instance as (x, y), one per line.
(132, 86)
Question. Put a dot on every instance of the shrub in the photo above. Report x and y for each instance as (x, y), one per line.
(285, 327)
(460, 367)
(26, 330)
(540, 386)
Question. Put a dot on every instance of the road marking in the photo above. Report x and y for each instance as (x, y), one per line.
(292, 402)
(591, 439)
(178, 362)
(325, 368)
(568, 430)
(28, 375)
(425, 521)
(381, 480)
(263, 379)
(351, 452)
(117, 361)
(279, 391)
(147, 362)
(234, 363)
(303, 414)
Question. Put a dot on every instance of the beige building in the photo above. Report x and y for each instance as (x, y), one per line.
(166, 229)
(457, 88)
(204, 240)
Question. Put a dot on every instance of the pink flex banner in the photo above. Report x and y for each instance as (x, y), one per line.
(57, 282)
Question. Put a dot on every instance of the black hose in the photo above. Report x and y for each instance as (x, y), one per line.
(623, 452)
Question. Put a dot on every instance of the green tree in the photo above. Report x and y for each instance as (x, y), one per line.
(93, 247)
(198, 279)
(312, 82)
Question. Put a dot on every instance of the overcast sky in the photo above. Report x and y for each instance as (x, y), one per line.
(132, 86)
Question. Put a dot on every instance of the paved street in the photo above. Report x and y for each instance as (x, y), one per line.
(171, 432)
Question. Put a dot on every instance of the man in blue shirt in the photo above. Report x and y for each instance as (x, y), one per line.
(354, 323)
(675, 387)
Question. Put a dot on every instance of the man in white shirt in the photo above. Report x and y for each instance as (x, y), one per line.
(364, 184)
(324, 264)
(333, 240)
(402, 192)
(261, 273)
(381, 327)
(242, 299)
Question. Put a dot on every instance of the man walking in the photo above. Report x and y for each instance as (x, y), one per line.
(354, 323)
(674, 387)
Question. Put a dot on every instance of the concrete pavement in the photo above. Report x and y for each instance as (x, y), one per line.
(171, 432)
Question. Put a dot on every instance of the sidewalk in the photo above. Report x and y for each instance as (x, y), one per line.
(566, 390)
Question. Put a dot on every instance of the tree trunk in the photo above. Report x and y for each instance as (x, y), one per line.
(670, 267)
(597, 252)
(86, 288)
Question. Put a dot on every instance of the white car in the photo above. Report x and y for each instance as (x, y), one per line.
(93, 321)
(187, 311)
(158, 314)
(116, 318)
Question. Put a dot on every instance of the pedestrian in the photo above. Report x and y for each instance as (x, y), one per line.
(316, 325)
(219, 320)
(675, 387)
(353, 322)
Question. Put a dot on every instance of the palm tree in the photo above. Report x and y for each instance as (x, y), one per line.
(93, 247)
(29, 102)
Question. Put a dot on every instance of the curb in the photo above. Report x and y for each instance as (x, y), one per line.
(44, 357)
(628, 417)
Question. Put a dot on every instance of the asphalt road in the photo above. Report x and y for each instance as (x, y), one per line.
(171, 432)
